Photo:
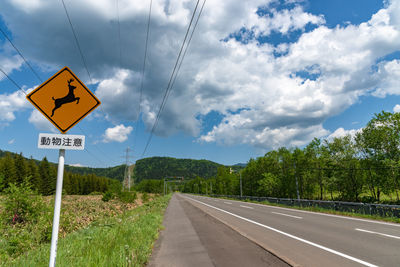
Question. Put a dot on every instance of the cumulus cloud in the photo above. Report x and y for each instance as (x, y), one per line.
(341, 132)
(396, 108)
(76, 165)
(117, 134)
(10, 104)
(41, 122)
(269, 95)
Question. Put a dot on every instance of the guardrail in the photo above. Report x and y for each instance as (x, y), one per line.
(355, 207)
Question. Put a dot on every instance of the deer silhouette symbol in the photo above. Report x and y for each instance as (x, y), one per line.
(70, 97)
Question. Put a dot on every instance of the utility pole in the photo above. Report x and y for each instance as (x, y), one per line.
(297, 183)
(240, 174)
(127, 175)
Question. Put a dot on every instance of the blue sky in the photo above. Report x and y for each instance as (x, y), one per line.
(258, 74)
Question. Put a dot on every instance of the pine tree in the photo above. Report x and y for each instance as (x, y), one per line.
(46, 187)
(33, 174)
(20, 168)
(7, 168)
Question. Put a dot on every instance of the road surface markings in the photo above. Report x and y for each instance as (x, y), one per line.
(246, 207)
(290, 235)
(322, 214)
(371, 232)
(297, 217)
(228, 203)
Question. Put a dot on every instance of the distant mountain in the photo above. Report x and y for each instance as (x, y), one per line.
(116, 172)
(242, 165)
(160, 167)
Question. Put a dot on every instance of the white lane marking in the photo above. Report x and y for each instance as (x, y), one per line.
(228, 203)
(290, 235)
(297, 217)
(246, 207)
(322, 214)
(372, 232)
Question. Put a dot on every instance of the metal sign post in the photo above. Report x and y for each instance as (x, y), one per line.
(61, 142)
(57, 208)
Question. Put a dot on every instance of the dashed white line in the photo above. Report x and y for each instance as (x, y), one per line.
(228, 203)
(247, 207)
(321, 214)
(290, 235)
(297, 217)
(372, 232)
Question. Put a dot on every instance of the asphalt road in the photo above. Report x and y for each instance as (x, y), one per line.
(193, 238)
(304, 238)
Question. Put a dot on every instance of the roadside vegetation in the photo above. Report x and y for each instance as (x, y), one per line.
(122, 240)
(360, 168)
(26, 219)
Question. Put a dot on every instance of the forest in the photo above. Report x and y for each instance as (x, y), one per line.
(161, 167)
(41, 175)
(364, 167)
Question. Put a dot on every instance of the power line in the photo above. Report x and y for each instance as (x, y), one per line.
(119, 36)
(143, 70)
(19, 87)
(76, 40)
(170, 82)
(190, 39)
(20, 54)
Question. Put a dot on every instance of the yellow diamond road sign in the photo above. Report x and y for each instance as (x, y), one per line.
(63, 99)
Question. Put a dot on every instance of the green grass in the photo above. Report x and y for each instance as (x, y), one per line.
(322, 210)
(123, 240)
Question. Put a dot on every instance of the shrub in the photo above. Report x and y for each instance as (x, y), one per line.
(127, 197)
(21, 204)
(107, 196)
(145, 197)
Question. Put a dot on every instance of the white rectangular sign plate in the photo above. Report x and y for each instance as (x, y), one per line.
(61, 141)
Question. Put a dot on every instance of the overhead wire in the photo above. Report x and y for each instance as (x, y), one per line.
(168, 89)
(76, 41)
(19, 87)
(20, 54)
(143, 72)
(119, 36)
(187, 46)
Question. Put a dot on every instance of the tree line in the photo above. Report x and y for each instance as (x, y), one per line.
(361, 167)
(15, 169)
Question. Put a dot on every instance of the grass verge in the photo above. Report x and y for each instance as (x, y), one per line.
(123, 240)
(322, 210)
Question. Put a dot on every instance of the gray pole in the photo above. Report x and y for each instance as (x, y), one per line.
(297, 184)
(240, 184)
(57, 209)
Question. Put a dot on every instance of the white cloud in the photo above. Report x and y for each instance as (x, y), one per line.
(266, 100)
(117, 134)
(12, 141)
(341, 132)
(41, 122)
(396, 108)
(76, 165)
(285, 21)
(11, 103)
